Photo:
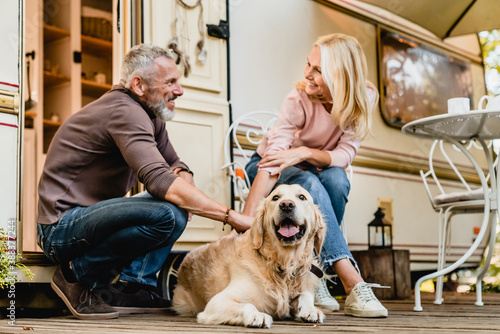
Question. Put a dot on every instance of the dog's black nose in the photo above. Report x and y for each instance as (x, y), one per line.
(287, 206)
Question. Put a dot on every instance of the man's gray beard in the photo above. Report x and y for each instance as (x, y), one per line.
(161, 111)
(165, 114)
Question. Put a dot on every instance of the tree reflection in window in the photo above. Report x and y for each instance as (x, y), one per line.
(490, 48)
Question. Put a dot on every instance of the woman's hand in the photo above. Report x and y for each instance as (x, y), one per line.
(187, 176)
(284, 159)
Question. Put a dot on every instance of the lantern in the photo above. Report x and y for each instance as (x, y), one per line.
(379, 232)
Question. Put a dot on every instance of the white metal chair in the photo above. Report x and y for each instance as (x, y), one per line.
(448, 204)
(244, 135)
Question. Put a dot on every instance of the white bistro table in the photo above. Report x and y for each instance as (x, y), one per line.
(476, 125)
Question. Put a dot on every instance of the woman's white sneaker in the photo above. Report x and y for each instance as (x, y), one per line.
(361, 302)
(323, 298)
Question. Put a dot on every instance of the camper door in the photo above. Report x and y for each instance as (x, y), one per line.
(11, 114)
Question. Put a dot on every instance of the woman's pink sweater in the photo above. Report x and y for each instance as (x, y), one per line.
(303, 121)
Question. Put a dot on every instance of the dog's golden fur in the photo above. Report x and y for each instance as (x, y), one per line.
(251, 278)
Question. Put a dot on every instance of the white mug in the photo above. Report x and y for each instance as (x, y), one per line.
(492, 103)
(100, 78)
(458, 105)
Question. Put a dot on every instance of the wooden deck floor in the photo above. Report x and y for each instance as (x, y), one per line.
(457, 315)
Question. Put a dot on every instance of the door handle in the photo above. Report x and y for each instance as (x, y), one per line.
(9, 102)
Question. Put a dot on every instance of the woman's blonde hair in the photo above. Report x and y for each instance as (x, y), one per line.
(344, 69)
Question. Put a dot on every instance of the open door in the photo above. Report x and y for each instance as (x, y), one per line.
(11, 115)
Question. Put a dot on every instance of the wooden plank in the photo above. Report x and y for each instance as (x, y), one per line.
(387, 267)
(458, 314)
(402, 279)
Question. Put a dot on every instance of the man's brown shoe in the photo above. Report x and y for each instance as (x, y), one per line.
(81, 301)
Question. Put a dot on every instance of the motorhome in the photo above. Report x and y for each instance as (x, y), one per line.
(236, 57)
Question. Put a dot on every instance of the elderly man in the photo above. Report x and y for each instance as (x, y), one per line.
(84, 221)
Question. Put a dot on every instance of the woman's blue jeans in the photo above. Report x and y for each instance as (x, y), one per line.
(329, 189)
(130, 236)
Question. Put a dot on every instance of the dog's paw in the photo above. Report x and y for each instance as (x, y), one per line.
(258, 319)
(310, 314)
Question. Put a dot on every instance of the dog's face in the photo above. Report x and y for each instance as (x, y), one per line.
(289, 215)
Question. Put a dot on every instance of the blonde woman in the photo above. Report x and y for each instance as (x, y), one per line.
(317, 134)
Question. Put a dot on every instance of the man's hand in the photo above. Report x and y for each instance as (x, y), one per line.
(188, 197)
(231, 234)
(240, 222)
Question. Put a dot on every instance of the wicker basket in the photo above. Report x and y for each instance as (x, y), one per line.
(97, 27)
(96, 23)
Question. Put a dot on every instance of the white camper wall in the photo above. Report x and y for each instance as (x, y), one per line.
(269, 43)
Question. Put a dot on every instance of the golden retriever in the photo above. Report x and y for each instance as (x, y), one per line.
(264, 274)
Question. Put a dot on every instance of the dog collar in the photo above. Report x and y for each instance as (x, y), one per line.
(316, 271)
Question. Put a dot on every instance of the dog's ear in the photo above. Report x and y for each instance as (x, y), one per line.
(320, 230)
(257, 229)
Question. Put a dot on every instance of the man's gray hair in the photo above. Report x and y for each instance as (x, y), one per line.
(140, 61)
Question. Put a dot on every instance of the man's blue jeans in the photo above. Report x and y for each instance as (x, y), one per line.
(135, 233)
(329, 189)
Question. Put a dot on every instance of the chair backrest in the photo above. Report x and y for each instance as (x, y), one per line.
(244, 136)
(443, 165)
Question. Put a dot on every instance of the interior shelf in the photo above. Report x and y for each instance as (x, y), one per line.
(67, 87)
(51, 124)
(51, 79)
(96, 46)
(53, 33)
(93, 88)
